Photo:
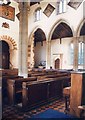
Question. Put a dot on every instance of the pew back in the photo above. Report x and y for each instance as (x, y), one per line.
(15, 89)
(40, 92)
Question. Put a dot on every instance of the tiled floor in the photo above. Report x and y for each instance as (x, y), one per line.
(11, 113)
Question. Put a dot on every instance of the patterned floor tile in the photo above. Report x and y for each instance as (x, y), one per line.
(11, 113)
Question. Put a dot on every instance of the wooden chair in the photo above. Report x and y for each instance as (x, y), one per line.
(66, 94)
(82, 111)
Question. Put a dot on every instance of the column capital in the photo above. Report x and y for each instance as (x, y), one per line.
(48, 41)
(24, 6)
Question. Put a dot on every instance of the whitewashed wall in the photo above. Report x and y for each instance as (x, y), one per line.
(72, 17)
(12, 32)
(40, 53)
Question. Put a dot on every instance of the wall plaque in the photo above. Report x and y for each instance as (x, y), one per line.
(75, 4)
(48, 10)
(7, 12)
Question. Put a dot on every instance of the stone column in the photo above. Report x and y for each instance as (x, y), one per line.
(11, 54)
(32, 51)
(23, 37)
(48, 54)
(75, 61)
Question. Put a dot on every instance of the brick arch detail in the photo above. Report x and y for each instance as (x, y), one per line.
(10, 41)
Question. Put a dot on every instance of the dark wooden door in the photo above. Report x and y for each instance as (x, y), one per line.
(4, 55)
(57, 63)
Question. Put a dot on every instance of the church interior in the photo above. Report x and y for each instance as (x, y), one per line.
(42, 59)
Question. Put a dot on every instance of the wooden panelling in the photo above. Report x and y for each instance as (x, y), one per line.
(77, 96)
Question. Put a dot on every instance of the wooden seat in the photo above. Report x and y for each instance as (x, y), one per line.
(40, 92)
(82, 111)
(66, 91)
(14, 89)
(4, 86)
(66, 94)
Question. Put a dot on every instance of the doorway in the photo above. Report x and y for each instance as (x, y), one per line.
(4, 55)
(57, 63)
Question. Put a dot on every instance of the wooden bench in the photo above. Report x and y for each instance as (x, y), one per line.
(4, 80)
(9, 72)
(39, 92)
(14, 89)
(82, 111)
(66, 94)
(66, 82)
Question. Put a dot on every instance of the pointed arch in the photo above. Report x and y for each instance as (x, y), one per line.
(39, 36)
(31, 43)
(32, 33)
(80, 27)
(56, 24)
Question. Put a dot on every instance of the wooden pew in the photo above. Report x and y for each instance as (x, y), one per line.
(37, 74)
(65, 82)
(40, 92)
(9, 72)
(52, 75)
(4, 80)
(42, 72)
(15, 89)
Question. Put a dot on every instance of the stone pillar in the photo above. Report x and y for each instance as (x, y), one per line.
(48, 54)
(29, 55)
(75, 61)
(23, 37)
(32, 62)
(11, 54)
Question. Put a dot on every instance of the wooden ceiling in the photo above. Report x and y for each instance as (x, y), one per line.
(39, 36)
(33, 2)
(62, 31)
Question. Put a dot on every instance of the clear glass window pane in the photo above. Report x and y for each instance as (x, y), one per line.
(61, 6)
(38, 14)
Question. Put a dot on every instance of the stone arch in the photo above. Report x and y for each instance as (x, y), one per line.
(31, 46)
(32, 33)
(57, 63)
(12, 49)
(12, 44)
(79, 27)
(56, 24)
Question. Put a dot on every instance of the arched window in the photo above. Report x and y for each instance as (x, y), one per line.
(38, 14)
(61, 6)
(80, 53)
(71, 53)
